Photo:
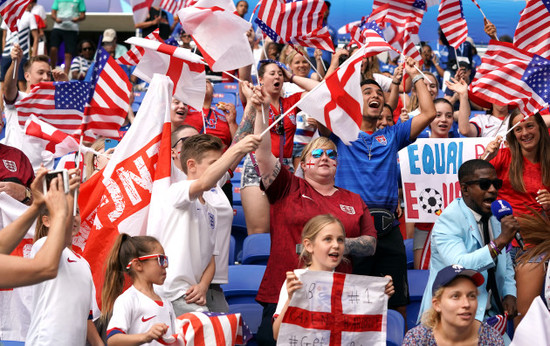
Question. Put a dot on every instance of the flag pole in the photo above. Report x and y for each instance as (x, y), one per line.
(509, 130)
(16, 41)
(77, 162)
(403, 79)
(203, 121)
(480, 10)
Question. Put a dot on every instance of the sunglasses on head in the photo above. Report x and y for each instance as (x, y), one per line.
(162, 260)
(317, 153)
(485, 183)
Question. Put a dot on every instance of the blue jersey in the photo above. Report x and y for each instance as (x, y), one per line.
(369, 165)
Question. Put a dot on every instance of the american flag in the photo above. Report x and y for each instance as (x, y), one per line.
(452, 22)
(379, 14)
(409, 46)
(533, 30)
(500, 78)
(11, 11)
(299, 23)
(60, 104)
(110, 98)
(133, 56)
(499, 322)
(361, 33)
(346, 29)
(402, 13)
(172, 6)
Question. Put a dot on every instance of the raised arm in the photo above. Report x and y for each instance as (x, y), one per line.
(461, 89)
(10, 80)
(426, 105)
(395, 87)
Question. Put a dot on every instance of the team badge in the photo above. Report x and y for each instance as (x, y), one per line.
(10, 165)
(211, 220)
(381, 139)
(347, 209)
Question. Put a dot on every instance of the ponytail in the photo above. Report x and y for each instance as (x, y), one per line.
(123, 251)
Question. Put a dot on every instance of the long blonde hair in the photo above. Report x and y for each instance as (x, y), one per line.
(312, 229)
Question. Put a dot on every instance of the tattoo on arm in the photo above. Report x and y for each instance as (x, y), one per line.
(246, 127)
(268, 179)
(364, 245)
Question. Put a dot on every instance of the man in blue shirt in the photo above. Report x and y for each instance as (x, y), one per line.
(369, 167)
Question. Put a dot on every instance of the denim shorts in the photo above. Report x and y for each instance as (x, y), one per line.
(251, 178)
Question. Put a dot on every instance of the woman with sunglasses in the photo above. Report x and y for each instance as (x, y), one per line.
(139, 315)
(294, 201)
(81, 63)
(524, 167)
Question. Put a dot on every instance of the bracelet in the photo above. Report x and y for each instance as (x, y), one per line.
(417, 78)
(393, 82)
(492, 250)
(494, 245)
(291, 77)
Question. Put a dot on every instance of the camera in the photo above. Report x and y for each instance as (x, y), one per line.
(53, 174)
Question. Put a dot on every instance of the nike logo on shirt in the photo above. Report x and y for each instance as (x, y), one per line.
(304, 196)
(70, 260)
(143, 319)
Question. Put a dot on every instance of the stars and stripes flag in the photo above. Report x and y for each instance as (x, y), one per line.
(361, 33)
(410, 42)
(172, 6)
(511, 76)
(401, 13)
(337, 102)
(346, 29)
(185, 69)
(140, 9)
(223, 50)
(499, 322)
(132, 56)
(11, 11)
(533, 30)
(299, 23)
(452, 22)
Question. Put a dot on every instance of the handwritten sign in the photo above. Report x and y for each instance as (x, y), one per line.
(336, 309)
(429, 169)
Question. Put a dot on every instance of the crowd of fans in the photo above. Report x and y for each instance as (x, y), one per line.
(299, 177)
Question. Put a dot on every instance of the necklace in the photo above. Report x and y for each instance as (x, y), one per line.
(369, 147)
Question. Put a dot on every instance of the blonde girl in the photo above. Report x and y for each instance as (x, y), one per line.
(139, 315)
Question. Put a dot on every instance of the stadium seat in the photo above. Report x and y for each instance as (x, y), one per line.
(417, 280)
(244, 282)
(238, 216)
(410, 254)
(396, 328)
(223, 97)
(251, 314)
(232, 244)
(256, 249)
(226, 88)
(11, 343)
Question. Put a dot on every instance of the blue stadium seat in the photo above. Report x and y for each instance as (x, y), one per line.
(410, 254)
(396, 328)
(226, 88)
(251, 314)
(244, 282)
(256, 249)
(11, 343)
(232, 243)
(417, 280)
(238, 216)
(223, 97)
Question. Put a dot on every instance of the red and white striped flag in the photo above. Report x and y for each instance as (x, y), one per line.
(11, 11)
(337, 102)
(185, 69)
(499, 78)
(401, 13)
(140, 8)
(219, 33)
(346, 29)
(116, 199)
(299, 23)
(533, 30)
(452, 22)
(172, 6)
(499, 322)
(409, 45)
(57, 141)
(135, 53)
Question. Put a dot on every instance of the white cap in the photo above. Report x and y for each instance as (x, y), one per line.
(109, 35)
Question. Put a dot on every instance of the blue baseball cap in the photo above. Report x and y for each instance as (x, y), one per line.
(448, 274)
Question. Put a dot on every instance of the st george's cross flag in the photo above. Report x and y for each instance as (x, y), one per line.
(185, 69)
(219, 33)
(341, 309)
(337, 102)
(452, 22)
(533, 29)
(117, 199)
(510, 76)
(57, 142)
(134, 54)
(140, 9)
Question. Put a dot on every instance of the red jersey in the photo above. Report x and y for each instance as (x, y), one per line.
(15, 166)
(216, 123)
(532, 179)
(293, 203)
(289, 125)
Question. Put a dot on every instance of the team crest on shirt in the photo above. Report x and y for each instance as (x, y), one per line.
(10, 165)
(347, 209)
(211, 220)
(292, 118)
(381, 139)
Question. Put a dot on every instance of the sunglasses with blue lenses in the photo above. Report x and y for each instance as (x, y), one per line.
(317, 153)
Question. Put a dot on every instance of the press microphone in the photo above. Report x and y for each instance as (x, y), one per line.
(500, 208)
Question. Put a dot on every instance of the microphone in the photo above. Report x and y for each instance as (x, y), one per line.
(500, 208)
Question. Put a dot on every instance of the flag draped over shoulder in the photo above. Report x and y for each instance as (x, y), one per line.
(533, 30)
(510, 76)
(299, 23)
(452, 22)
(219, 33)
(116, 200)
(185, 69)
(337, 102)
(11, 11)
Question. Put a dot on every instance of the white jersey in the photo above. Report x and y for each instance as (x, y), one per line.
(62, 306)
(490, 126)
(135, 313)
(188, 238)
(283, 294)
(22, 36)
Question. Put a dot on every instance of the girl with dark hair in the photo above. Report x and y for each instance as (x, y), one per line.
(81, 63)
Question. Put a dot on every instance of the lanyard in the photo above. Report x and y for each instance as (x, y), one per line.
(279, 129)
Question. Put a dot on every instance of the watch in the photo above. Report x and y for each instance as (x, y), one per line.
(28, 196)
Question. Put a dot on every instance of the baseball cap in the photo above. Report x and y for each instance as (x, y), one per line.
(109, 35)
(448, 274)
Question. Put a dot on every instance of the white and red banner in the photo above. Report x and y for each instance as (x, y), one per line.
(219, 33)
(429, 169)
(185, 69)
(116, 200)
(336, 309)
(57, 142)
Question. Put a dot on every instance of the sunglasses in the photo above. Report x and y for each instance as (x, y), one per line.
(331, 153)
(485, 184)
(162, 260)
(182, 139)
(87, 48)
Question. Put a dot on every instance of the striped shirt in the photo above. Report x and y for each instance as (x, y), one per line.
(23, 37)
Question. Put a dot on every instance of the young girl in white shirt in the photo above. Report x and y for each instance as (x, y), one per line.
(139, 315)
(323, 244)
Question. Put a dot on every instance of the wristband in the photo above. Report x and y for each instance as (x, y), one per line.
(417, 78)
(393, 82)
(492, 250)
(494, 245)
(291, 77)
